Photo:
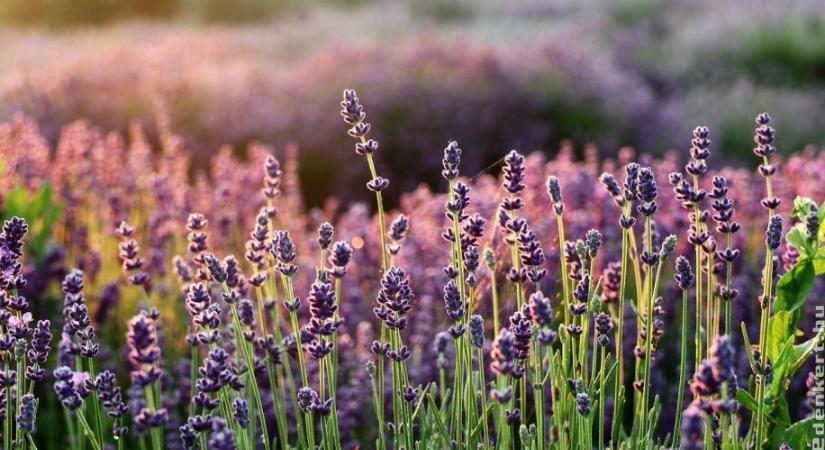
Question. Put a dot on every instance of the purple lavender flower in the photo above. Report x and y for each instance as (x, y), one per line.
(394, 299)
(325, 233)
(773, 235)
(339, 258)
(583, 403)
(503, 354)
(554, 191)
(309, 401)
(28, 413)
(604, 325)
(684, 273)
(144, 352)
(130, 256)
(476, 324)
(722, 358)
(693, 429)
(110, 395)
(65, 388)
(38, 353)
(647, 191)
(514, 172)
(540, 310)
(284, 251)
(699, 151)
(612, 280)
(222, 437)
(272, 178)
(240, 410)
(451, 161)
(11, 249)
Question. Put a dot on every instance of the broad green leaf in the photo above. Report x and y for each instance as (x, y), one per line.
(798, 435)
(793, 288)
(782, 369)
(798, 237)
(780, 329)
(803, 351)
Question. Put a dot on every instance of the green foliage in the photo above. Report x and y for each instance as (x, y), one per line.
(788, 356)
(41, 211)
(793, 52)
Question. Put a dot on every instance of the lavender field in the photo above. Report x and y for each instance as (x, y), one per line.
(506, 239)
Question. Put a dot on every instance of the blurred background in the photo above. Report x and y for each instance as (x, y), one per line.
(494, 75)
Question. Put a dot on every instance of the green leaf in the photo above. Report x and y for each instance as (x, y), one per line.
(746, 399)
(782, 369)
(798, 435)
(804, 350)
(798, 237)
(780, 329)
(793, 288)
(802, 207)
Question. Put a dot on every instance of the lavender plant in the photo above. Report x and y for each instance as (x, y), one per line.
(581, 331)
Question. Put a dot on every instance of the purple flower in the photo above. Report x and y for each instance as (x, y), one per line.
(144, 352)
(514, 172)
(451, 161)
(240, 410)
(693, 428)
(773, 235)
(503, 354)
(325, 232)
(65, 388)
(222, 437)
(394, 298)
(612, 280)
(110, 395)
(28, 413)
(339, 258)
(540, 310)
(476, 324)
(322, 307)
(684, 273)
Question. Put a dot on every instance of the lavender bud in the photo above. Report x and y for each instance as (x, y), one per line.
(554, 189)
(684, 273)
(773, 235)
(325, 232)
(451, 161)
(240, 410)
(477, 330)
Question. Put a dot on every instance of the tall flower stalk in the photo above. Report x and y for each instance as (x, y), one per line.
(353, 113)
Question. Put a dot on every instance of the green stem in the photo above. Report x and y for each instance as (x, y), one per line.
(677, 430)
(95, 404)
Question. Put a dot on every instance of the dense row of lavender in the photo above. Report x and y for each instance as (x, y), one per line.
(538, 310)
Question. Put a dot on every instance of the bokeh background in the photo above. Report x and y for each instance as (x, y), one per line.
(492, 74)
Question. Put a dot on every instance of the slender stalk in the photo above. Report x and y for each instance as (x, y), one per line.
(382, 441)
(95, 404)
(603, 369)
(81, 417)
(275, 388)
(682, 370)
(250, 367)
(483, 389)
(617, 426)
(763, 353)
